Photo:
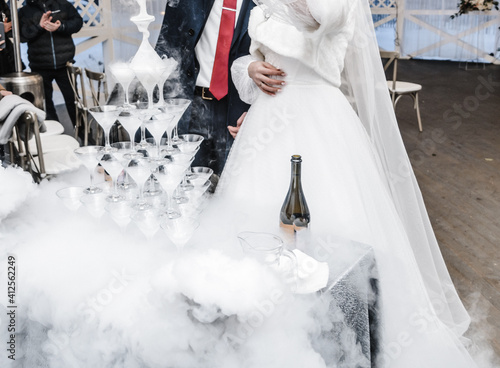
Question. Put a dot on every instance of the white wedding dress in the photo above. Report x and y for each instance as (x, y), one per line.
(347, 173)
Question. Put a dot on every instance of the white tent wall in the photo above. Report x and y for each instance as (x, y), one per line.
(417, 28)
(424, 29)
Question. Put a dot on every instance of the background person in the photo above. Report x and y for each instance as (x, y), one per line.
(47, 26)
(7, 64)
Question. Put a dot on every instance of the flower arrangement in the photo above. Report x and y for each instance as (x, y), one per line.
(466, 6)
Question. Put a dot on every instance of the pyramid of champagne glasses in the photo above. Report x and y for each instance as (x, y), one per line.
(153, 187)
(150, 185)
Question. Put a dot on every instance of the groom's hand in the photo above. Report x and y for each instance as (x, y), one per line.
(234, 130)
(262, 72)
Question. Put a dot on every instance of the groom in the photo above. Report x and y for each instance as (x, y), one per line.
(205, 37)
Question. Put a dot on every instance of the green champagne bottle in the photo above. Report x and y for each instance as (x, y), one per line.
(294, 213)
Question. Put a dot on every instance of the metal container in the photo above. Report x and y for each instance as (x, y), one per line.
(27, 85)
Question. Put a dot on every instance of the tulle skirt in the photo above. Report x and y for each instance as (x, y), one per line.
(348, 197)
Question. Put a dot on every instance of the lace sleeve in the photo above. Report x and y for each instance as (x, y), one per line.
(312, 17)
(246, 87)
(330, 15)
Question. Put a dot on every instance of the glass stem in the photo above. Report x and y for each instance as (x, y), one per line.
(115, 187)
(151, 184)
(170, 209)
(106, 137)
(141, 194)
(91, 180)
(125, 90)
(161, 100)
(150, 99)
(169, 139)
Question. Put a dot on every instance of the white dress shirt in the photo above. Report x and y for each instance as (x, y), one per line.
(207, 44)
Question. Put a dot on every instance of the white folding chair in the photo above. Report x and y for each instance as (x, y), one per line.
(399, 89)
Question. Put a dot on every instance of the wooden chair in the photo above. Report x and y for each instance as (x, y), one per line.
(100, 96)
(77, 83)
(98, 87)
(399, 89)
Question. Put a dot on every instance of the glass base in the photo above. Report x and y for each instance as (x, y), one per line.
(142, 146)
(153, 192)
(92, 190)
(128, 107)
(169, 151)
(186, 187)
(181, 200)
(142, 206)
(191, 176)
(114, 198)
(172, 214)
(109, 149)
(127, 186)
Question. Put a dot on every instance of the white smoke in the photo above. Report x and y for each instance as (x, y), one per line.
(90, 295)
(16, 186)
(481, 332)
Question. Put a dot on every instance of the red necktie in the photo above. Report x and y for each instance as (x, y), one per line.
(219, 82)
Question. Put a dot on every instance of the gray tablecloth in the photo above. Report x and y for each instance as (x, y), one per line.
(353, 293)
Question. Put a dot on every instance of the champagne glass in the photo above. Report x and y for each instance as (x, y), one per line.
(168, 66)
(139, 168)
(120, 213)
(154, 189)
(114, 168)
(169, 176)
(184, 159)
(94, 203)
(177, 107)
(197, 200)
(124, 75)
(131, 121)
(179, 230)
(186, 185)
(145, 115)
(157, 126)
(147, 220)
(123, 148)
(147, 75)
(70, 196)
(90, 157)
(105, 116)
(269, 249)
(190, 143)
(201, 175)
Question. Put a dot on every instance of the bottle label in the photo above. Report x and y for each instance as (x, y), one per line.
(287, 234)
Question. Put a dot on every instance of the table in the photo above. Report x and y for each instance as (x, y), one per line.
(91, 295)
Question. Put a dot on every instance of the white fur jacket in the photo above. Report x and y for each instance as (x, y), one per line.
(321, 47)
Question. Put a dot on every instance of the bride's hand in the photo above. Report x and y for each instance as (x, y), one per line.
(261, 73)
(234, 130)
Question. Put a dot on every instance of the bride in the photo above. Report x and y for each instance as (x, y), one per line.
(333, 108)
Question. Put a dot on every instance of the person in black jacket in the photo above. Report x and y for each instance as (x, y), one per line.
(7, 54)
(47, 26)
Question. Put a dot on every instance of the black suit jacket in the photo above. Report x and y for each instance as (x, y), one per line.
(181, 29)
